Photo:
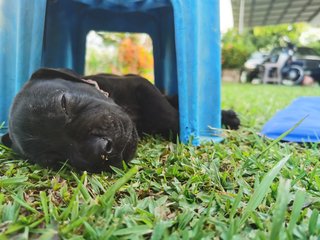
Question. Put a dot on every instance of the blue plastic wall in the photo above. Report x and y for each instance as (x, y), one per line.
(186, 43)
(65, 44)
(197, 31)
(21, 35)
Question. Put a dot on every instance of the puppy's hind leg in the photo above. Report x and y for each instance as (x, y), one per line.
(158, 115)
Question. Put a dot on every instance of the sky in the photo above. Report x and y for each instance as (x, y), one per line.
(226, 18)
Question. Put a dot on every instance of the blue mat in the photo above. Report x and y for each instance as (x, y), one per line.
(307, 131)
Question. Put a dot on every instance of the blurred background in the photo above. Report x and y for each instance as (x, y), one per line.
(262, 41)
(119, 53)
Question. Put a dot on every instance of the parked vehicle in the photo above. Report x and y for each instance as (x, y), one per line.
(289, 65)
(250, 69)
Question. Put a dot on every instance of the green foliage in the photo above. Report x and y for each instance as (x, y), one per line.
(236, 47)
(172, 191)
(268, 37)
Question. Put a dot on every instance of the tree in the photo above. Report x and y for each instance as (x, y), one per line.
(268, 37)
(236, 48)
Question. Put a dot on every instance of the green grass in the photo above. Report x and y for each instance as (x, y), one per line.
(175, 191)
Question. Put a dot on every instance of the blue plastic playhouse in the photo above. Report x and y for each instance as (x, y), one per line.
(186, 43)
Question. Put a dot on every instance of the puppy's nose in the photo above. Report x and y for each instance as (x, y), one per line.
(108, 146)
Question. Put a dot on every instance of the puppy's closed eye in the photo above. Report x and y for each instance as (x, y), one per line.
(63, 103)
(66, 108)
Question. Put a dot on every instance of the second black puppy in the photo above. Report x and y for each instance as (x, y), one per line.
(93, 122)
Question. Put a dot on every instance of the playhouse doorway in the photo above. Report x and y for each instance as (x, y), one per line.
(119, 53)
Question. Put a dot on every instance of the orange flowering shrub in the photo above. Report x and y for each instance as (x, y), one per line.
(132, 53)
(135, 58)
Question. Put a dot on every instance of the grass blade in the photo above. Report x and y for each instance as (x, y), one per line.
(280, 208)
(36, 223)
(236, 203)
(136, 230)
(24, 204)
(90, 230)
(184, 218)
(313, 222)
(278, 139)
(71, 208)
(5, 181)
(83, 189)
(73, 225)
(15, 227)
(108, 195)
(160, 230)
(44, 205)
(262, 189)
(296, 210)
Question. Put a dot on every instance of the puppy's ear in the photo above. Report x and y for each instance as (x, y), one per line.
(50, 73)
(6, 140)
(63, 73)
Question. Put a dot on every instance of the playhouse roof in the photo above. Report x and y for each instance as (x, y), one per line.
(272, 12)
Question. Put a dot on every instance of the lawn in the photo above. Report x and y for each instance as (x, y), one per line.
(243, 188)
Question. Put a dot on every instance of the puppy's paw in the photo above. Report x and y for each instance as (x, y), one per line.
(229, 119)
(5, 140)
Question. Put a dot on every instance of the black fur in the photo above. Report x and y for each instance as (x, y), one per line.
(60, 115)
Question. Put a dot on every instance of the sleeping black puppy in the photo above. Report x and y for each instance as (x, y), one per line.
(94, 122)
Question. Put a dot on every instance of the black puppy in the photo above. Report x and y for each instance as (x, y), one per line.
(93, 122)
